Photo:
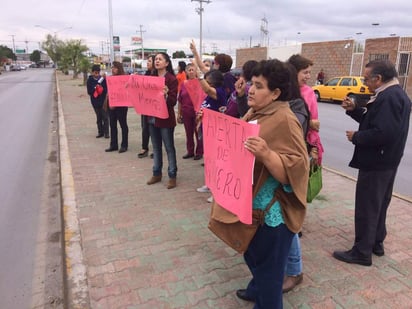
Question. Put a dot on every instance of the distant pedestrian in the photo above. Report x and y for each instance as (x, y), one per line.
(162, 130)
(379, 147)
(118, 114)
(321, 77)
(97, 90)
(181, 74)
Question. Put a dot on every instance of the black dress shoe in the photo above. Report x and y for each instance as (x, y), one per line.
(353, 256)
(122, 149)
(110, 149)
(143, 153)
(197, 157)
(99, 135)
(378, 249)
(106, 136)
(242, 294)
(187, 156)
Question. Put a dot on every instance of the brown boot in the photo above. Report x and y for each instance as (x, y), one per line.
(172, 183)
(290, 282)
(154, 179)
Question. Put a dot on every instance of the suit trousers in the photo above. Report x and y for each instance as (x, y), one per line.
(373, 196)
(118, 114)
(102, 120)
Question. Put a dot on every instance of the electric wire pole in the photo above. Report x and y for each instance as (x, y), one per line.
(200, 10)
(141, 37)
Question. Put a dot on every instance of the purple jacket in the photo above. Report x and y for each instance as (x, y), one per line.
(170, 122)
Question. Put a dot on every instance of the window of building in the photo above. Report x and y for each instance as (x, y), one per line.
(373, 57)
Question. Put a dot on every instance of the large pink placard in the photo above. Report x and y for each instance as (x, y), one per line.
(228, 164)
(144, 93)
(196, 93)
(117, 92)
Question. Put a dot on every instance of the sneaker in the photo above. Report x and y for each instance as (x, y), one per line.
(203, 189)
(210, 199)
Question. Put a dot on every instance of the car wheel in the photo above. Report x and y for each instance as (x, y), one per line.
(317, 95)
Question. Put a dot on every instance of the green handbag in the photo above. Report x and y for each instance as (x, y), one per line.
(315, 182)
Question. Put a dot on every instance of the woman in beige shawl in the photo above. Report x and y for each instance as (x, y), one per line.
(280, 176)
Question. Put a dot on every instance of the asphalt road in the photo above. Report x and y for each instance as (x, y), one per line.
(338, 150)
(26, 102)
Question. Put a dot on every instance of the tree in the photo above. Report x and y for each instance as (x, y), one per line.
(72, 54)
(53, 46)
(6, 53)
(84, 67)
(179, 54)
(35, 56)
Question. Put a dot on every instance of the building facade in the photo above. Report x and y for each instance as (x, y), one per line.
(344, 57)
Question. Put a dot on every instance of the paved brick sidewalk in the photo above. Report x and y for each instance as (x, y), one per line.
(149, 247)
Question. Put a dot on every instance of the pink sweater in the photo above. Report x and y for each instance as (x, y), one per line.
(313, 137)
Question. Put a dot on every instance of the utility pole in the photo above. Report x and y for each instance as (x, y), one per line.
(141, 37)
(111, 32)
(14, 47)
(199, 11)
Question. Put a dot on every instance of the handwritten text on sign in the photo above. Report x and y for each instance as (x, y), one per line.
(144, 93)
(228, 164)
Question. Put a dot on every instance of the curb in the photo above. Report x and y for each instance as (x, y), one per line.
(397, 195)
(76, 294)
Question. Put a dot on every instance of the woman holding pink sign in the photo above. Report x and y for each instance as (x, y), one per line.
(279, 182)
(162, 130)
(187, 115)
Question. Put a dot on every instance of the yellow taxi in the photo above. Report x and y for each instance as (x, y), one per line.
(337, 88)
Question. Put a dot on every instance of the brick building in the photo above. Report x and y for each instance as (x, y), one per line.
(345, 57)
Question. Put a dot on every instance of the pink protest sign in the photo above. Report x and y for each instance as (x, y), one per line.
(196, 93)
(228, 164)
(147, 95)
(117, 91)
(144, 93)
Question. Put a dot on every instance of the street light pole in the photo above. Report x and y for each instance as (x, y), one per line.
(200, 10)
(14, 47)
(141, 37)
(111, 32)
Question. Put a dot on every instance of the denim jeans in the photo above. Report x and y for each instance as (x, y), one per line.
(266, 258)
(294, 264)
(165, 136)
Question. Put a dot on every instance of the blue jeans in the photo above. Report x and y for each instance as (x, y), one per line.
(266, 258)
(294, 265)
(165, 135)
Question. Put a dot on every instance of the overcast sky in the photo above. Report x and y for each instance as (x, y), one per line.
(227, 24)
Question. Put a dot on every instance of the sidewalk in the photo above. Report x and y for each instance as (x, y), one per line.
(143, 246)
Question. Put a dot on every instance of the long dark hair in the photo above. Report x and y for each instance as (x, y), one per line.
(119, 67)
(150, 72)
(216, 78)
(169, 67)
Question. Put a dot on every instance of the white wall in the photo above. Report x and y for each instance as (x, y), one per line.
(283, 53)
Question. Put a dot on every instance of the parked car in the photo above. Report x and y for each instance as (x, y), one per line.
(337, 88)
(15, 67)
